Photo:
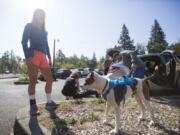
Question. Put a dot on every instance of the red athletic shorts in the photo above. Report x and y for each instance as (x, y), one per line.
(40, 60)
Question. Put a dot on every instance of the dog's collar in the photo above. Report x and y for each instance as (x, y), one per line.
(104, 87)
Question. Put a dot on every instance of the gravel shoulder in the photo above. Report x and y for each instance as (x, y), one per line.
(85, 117)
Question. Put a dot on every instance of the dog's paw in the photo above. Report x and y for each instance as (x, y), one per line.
(114, 132)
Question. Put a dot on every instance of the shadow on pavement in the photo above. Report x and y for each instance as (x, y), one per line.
(34, 126)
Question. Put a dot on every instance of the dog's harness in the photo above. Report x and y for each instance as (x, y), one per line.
(113, 83)
(104, 87)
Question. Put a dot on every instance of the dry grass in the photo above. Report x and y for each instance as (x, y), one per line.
(86, 117)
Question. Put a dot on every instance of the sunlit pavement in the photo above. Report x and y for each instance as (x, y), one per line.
(13, 97)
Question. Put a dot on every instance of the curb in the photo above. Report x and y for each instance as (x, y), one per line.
(26, 125)
(4, 76)
(9, 77)
(21, 82)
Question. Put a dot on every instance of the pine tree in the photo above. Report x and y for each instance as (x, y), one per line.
(60, 56)
(125, 41)
(157, 42)
(93, 61)
(177, 47)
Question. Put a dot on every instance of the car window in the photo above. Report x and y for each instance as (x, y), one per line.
(167, 56)
(150, 66)
(177, 55)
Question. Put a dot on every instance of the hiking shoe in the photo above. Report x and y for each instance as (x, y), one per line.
(50, 106)
(34, 110)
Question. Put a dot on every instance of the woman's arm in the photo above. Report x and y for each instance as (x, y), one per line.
(25, 39)
(49, 56)
(48, 51)
(47, 47)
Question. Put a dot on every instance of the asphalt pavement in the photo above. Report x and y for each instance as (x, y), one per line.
(14, 97)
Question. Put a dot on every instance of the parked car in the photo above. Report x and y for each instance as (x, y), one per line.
(85, 72)
(170, 55)
(79, 71)
(172, 60)
(63, 73)
(53, 71)
(100, 72)
(166, 84)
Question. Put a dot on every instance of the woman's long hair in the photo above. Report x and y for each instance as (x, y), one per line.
(39, 15)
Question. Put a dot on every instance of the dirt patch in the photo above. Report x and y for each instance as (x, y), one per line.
(82, 117)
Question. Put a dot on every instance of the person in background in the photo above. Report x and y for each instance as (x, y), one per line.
(72, 89)
(36, 54)
(116, 58)
(107, 64)
(71, 86)
(137, 70)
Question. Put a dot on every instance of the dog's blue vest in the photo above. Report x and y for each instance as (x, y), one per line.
(124, 81)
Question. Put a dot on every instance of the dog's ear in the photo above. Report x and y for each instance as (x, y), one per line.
(92, 74)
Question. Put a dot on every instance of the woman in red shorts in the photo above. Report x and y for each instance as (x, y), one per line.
(37, 58)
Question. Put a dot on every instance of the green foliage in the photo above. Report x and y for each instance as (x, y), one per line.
(24, 72)
(100, 100)
(78, 101)
(23, 78)
(125, 41)
(70, 121)
(9, 62)
(1, 67)
(93, 62)
(91, 117)
(100, 64)
(177, 47)
(74, 61)
(23, 69)
(68, 66)
(157, 42)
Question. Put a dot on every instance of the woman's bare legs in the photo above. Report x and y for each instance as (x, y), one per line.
(46, 72)
(32, 73)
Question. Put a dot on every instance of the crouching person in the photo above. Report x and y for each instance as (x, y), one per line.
(71, 88)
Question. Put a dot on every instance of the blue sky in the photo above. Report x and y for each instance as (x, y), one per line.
(87, 26)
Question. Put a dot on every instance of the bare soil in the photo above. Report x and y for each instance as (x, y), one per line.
(85, 117)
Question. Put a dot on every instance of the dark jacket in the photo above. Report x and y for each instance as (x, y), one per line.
(139, 71)
(37, 39)
(70, 88)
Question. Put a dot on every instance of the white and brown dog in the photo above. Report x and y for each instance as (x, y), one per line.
(115, 95)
